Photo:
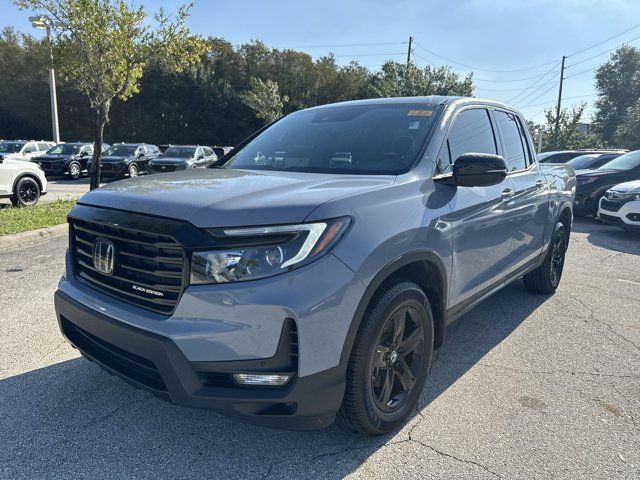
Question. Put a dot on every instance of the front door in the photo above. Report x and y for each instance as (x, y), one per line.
(481, 217)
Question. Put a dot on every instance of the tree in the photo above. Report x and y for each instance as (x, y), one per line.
(265, 99)
(399, 80)
(618, 85)
(105, 46)
(570, 135)
(628, 131)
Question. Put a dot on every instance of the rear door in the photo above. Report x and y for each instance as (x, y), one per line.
(481, 224)
(530, 202)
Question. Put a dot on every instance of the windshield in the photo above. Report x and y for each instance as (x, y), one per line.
(358, 139)
(10, 147)
(64, 149)
(180, 152)
(583, 161)
(628, 161)
(120, 150)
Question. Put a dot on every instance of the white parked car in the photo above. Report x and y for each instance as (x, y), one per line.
(22, 182)
(23, 149)
(620, 206)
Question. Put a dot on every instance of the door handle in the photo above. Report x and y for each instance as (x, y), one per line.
(507, 194)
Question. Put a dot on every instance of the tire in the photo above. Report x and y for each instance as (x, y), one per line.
(26, 192)
(379, 365)
(75, 170)
(133, 170)
(546, 278)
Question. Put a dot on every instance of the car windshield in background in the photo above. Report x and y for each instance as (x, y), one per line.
(10, 147)
(64, 149)
(180, 152)
(583, 161)
(628, 161)
(120, 150)
(359, 139)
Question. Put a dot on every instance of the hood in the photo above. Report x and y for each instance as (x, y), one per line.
(116, 158)
(231, 198)
(52, 157)
(169, 160)
(627, 187)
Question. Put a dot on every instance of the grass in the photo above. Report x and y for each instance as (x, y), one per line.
(16, 220)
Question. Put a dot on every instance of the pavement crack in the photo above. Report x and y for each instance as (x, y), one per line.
(110, 414)
(628, 402)
(592, 316)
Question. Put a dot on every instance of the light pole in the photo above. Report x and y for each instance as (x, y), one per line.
(41, 22)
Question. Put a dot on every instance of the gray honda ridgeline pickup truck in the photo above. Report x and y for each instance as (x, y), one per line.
(311, 272)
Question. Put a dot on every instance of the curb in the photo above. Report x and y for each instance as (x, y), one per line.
(8, 241)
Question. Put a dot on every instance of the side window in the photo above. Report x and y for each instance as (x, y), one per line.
(514, 153)
(471, 132)
(87, 149)
(43, 147)
(30, 148)
(208, 152)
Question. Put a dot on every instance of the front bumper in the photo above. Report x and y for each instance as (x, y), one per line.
(155, 363)
(166, 167)
(625, 215)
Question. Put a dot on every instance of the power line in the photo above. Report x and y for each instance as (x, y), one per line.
(604, 41)
(479, 68)
(536, 82)
(537, 97)
(603, 53)
(348, 45)
(371, 55)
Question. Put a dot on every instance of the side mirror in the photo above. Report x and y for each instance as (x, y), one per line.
(200, 157)
(476, 170)
(140, 154)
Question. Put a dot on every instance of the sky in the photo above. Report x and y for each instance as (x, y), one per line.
(499, 40)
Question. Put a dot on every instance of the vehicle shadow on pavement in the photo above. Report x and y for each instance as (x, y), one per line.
(71, 419)
(610, 237)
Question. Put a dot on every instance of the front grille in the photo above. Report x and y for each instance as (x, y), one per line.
(127, 364)
(610, 206)
(148, 268)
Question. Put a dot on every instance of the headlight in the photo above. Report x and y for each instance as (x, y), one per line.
(252, 253)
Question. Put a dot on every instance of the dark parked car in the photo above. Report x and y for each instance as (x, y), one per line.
(127, 159)
(591, 161)
(181, 157)
(317, 269)
(67, 158)
(563, 156)
(592, 185)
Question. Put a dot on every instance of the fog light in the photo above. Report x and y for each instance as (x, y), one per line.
(274, 379)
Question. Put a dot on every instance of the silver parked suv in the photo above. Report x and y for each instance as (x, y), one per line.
(315, 271)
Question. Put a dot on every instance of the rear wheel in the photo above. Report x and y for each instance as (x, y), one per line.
(75, 170)
(26, 192)
(390, 360)
(546, 278)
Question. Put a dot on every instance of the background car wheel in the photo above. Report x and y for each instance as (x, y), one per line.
(133, 170)
(75, 170)
(26, 192)
(546, 278)
(390, 360)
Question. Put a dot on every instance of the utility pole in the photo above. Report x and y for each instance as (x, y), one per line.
(539, 139)
(557, 126)
(42, 22)
(407, 75)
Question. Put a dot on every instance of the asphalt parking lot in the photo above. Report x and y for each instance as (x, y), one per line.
(526, 386)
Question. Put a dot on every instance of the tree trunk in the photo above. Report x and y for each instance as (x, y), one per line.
(96, 161)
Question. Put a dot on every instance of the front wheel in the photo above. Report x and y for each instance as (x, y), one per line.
(26, 192)
(75, 170)
(390, 360)
(546, 278)
(133, 170)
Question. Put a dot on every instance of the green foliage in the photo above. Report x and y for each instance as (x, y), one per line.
(16, 220)
(398, 80)
(105, 46)
(264, 98)
(618, 86)
(569, 135)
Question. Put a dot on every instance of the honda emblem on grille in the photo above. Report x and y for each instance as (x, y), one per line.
(103, 256)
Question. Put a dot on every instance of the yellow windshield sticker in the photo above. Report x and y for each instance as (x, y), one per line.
(420, 113)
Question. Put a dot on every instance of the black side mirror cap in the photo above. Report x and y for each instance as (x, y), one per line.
(475, 170)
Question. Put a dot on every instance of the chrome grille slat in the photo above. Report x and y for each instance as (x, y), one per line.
(145, 260)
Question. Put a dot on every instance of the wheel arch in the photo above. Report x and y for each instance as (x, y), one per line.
(23, 175)
(426, 269)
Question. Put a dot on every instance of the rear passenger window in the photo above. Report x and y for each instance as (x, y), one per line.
(43, 147)
(471, 133)
(514, 149)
